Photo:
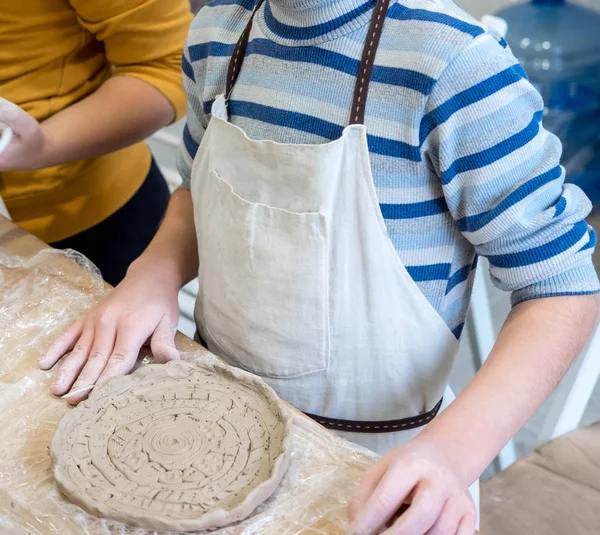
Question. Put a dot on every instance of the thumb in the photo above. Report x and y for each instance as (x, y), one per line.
(368, 483)
(162, 343)
(17, 119)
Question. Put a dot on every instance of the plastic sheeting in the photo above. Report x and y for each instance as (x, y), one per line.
(39, 297)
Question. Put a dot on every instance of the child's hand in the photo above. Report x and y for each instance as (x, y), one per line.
(420, 473)
(25, 149)
(106, 342)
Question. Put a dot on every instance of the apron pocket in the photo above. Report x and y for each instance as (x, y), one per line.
(263, 277)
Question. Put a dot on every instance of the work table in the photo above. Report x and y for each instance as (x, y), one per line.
(41, 292)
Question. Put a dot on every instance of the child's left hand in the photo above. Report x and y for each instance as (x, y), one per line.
(420, 473)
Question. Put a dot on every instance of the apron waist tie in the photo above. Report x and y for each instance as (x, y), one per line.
(355, 426)
(387, 426)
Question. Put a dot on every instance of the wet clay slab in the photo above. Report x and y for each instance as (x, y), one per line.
(179, 446)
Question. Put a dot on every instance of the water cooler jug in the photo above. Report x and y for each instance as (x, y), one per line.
(558, 44)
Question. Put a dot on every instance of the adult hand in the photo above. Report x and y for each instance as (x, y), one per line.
(28, 144)
(421, 474)
(107, 340)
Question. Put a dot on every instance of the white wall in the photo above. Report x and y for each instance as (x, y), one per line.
(481, 7)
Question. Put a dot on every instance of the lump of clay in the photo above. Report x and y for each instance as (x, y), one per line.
(175, 446)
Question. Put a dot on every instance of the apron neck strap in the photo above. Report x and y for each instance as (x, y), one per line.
(365, 69)
(235, 63)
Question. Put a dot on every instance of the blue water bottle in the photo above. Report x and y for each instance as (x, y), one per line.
(558, 44)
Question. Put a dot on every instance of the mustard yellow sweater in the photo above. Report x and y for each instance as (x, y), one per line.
(56, 52)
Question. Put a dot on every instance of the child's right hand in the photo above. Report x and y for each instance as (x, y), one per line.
(107, 340)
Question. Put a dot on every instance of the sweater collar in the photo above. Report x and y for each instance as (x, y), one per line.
(309, 22)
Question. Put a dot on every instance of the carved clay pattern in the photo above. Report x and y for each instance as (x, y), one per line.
(178, 446)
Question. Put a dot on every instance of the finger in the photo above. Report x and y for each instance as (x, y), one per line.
(467, 525)
(366, 486)
(423, 512)
(389, 495)
(162, 343)
(449, 519)
(69, 370)
(104, 341)
(65, 342)
(124, 355)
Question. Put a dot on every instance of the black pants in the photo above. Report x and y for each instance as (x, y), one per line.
(116, 242)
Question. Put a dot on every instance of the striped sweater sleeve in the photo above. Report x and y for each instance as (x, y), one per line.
(195, 125)
(482, 134)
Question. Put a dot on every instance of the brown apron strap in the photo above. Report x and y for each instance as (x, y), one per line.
(389, 426)
(235, 63)
(363, 76)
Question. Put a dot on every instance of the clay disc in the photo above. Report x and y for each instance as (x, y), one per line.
(175, 446)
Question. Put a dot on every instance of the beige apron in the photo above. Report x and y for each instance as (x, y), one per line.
(300, 284)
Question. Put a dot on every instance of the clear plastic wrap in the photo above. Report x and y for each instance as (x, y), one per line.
(39, 297)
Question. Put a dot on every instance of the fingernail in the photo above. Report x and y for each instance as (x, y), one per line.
(74, 388)
(78, 390)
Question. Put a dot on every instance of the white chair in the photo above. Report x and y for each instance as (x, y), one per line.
(574, 392)
(169, 141)
(187, 295)
(572, 395)
(483, 334)
(187, 300)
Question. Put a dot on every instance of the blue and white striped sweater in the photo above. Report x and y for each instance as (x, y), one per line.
(461, 163)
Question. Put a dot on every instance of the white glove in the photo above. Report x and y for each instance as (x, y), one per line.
(22, 142)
